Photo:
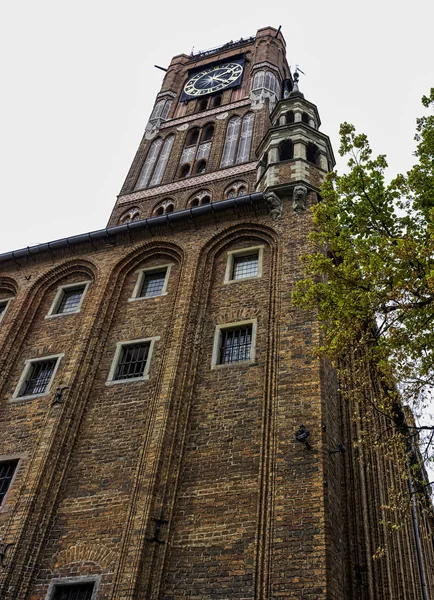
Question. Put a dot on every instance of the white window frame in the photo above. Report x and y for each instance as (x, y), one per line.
(58, 299)
(118, 351)
(141, 276)
(7, 301)
(216, 344)
(27, 366)
(243, 252)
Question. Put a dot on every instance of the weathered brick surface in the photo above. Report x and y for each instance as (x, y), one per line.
(245, 511)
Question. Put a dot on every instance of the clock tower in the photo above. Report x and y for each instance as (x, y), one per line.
(168, 430)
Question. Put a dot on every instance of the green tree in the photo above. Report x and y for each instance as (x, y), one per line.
(370, 276)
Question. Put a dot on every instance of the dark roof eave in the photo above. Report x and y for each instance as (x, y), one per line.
(109, 232)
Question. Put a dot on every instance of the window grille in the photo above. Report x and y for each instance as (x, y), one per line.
(75, 591)
(133, 360)
(39, 376)
(235, 344)
(245, 266)
(70, 301)
(7, 470)
(230, 147)
(153, 284)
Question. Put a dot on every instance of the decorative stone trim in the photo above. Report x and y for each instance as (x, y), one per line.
(189, 182)
(205, 113)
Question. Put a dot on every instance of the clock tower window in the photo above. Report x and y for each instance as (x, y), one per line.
(238, 141)
(155, 164)
(196, 150)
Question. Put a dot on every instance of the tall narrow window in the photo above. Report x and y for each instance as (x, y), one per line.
(148, 166)
(286, 150)
(196, 151)
(313, 154)
(231, 141)
(243, 154)
(73, 591)
(7, 470)
(162, 160)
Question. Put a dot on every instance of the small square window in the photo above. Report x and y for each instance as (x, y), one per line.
(37, 376)
(153, 284)
(7, 471)
(235, 344)
(245, 263)
(132, 361)
(68, 299)
(245, 266)
(73, 591)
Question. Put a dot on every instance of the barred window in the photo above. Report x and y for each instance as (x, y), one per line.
(73, 591)
(245, 266)
(153, 284)
(132, 361)
(38, 377)
(235, 344)
(70, 300)
(7, 470)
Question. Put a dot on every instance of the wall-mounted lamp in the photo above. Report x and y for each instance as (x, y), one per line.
(301, 436)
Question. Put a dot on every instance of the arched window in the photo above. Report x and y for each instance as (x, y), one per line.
(286, 150)
(237, 147)
(216, 101)
(201, 166)
(265, 84)
(162, 161)
(208, 133)
(149, 164)
(202, 104)
(243, 154)
(132, 215)
(238, 188)
(196, 150)
(305, 118)
(200, 198)
(159, 113)
(192, 137)
(185, 170)
(289, 117)
(313, 154)
(163, 208)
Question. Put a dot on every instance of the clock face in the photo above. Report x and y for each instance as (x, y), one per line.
(213, 79)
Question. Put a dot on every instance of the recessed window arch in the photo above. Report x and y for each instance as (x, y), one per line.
(216, 100)
(164, 207)
(156, 161)
(265, 84)
(132, 215)
(202, 104)
(159, 113)
(289, 117)
(286, 150)
(305, 118)
(238, 141)
(196, 150)
(313, 154)
(237, 188)
(199, 198)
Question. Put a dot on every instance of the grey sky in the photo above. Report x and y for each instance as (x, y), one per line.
(79, 83)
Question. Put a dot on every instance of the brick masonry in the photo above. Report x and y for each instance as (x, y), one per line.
(189, 484)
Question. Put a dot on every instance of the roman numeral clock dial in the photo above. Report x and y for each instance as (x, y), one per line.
(213, 79)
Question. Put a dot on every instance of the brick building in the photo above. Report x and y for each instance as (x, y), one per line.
(155, 374)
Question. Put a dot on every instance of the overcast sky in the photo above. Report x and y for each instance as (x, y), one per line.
(78, 84)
